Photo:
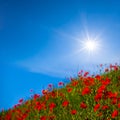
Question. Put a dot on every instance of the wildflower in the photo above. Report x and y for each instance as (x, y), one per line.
(114, 101)
(114, 113)
(86, 90)
(83, 105)
(69, 90)
(98, 97)
(21, 100)
(118, 105)
(60, 84)
(43, 118)
(115, 68)
(15, 106)
(73, 112)
(52, 105)
(85, 74)
(44, 92)
(74, 83)
(43, 105)
(8, 116)
(24, 116)
(89, 81)
(98, 77)
(72, 79)
(50, 85)
(96, 107)
(61, 95)
(101, 89)
(80, 73)
(118, 99)
(65, 103)
(106, 70)
(38, 106)
(106, 81)
(112, 95)
(36, 96)
(47, 97)
(53, 94)
(105, 107)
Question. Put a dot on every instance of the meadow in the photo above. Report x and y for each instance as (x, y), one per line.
(85, 97)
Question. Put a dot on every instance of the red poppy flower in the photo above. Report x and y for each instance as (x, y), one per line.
(73, 112)
(98, 77)
(43, 118)
(118, 105)
(105, 107)
(83, 105)
(89, 81)
(115, 68)
(44, 92)
(52, 105)
(39, 106)
(118, 98)
(21, 100)
(60, 84)
(65, 103)
(85, 74)
(61, 95)
(101, 89)
(8, 116)
(98, 97)
(69, 90)
(86, 90)
(114, 101)
(96, 107)
(36, 96)
(106, 81)
(74, 83)
(106, 70)
(80, 73)
(53, 94)
(111, 95)
(114, 113)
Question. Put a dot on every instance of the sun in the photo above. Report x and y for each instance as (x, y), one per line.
(90, 45)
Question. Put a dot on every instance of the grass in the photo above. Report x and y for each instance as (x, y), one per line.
(83, 98)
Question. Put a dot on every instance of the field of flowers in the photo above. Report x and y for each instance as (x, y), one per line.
(86, 97)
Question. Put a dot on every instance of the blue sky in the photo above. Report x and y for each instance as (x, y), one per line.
(39, 40)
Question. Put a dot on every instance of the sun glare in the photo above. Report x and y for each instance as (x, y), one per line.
(90, 45)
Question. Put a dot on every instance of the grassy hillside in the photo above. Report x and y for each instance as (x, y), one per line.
(84, 98)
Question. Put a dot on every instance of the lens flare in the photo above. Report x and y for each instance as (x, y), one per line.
(90, 45)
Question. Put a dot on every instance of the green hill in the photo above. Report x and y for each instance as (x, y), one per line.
(84, 98)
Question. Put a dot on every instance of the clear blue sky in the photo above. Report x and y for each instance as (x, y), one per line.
(38, 42)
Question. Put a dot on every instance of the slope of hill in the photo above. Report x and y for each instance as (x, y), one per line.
(83, 98)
